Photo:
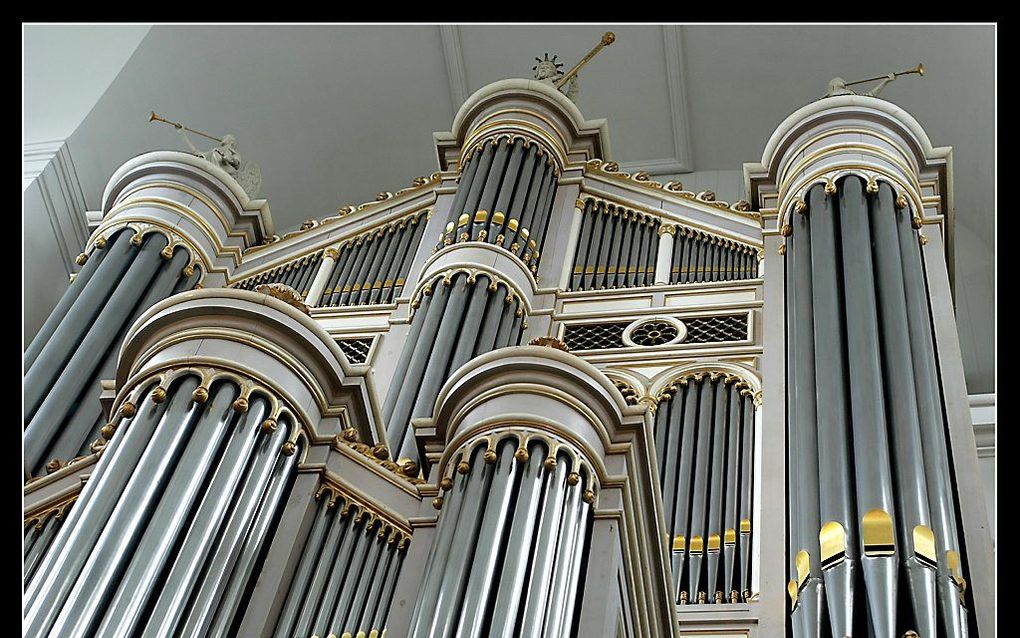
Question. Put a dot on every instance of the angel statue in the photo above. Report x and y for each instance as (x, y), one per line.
(550, 71)
(226, 156)
(838, 86)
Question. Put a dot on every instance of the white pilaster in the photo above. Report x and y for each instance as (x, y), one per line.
(571, 239)
(322, 276)
(665, 255)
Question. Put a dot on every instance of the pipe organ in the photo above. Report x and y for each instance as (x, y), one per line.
(528, 395)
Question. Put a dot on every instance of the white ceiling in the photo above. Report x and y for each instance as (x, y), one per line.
(335, 114)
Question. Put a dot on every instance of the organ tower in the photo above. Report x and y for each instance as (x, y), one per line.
(527, 395)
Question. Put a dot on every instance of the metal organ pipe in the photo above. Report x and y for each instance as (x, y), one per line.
(706, 460)
(864, 260)
(73, 351)
(916, 549)
(370, 268)
(516, 495)
(85, 420)
(134, 546)
(804, 552)
(938, 477)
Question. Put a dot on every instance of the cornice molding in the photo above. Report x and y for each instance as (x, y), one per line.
(49, 167)
(257, 335)
(983, 416)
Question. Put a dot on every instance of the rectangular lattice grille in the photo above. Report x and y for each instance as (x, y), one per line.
(595, 336)
(356, 349)
(715, 329)
(609, 336)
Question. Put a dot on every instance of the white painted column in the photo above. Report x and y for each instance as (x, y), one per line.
(322, 276)
(665, 255)
(756, 504)
(761, 262)
(571, 239)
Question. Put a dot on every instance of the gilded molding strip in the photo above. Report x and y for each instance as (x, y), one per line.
(642, 179)
(384, 198)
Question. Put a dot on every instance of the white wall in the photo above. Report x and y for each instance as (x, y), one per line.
(982, 414)
(66, 69)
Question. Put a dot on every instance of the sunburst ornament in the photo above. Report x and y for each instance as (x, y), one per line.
(547, 68)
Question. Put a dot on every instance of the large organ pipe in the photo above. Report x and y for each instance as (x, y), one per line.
(483, 569)
(495, 308)
(583, 242)
(464, 347)
(532, 166)
(518, 548)
(838, 534)
(483, 208)
(337, 575)
(322, 553)
(386, 591)
(746, 491)
(80, 429)
(49, 397)
(155, 548)
(873, 476)
(913, 521)
(434, 375)
(372, 544)
(363, 527)
(803, 471)
(230, 542)
(251, 551)
(86, 521)
(938, 478)
(399, 404)
(560, 607)
(457, 566)
(662, 428)
(506, 189)
(468, 172)
(599, 221)
(377, 583)
(545, 554)
(671, 452)
(302, 575)
(78, 615)
(184, 575)
(51, 355)
(484, 160)
(545, 218)
(432, 579)
(67, 300)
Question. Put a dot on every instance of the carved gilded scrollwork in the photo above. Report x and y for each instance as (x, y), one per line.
(641, 178)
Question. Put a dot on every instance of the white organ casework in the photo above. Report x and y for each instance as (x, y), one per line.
(529, 394)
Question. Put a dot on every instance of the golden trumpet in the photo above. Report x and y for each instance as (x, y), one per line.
(155, 118)
(919, 69)
(607, 38)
